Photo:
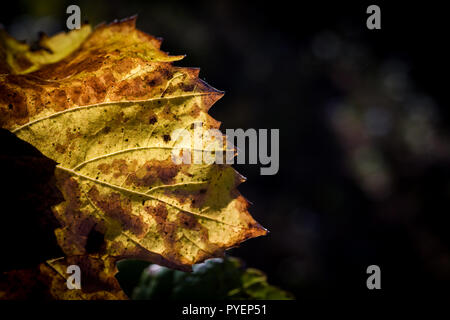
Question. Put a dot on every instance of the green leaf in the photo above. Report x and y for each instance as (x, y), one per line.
(217, 279)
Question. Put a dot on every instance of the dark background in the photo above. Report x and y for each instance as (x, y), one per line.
(364, 128)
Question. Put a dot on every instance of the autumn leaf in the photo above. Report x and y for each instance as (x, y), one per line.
(104, 105)
(48, 281)
(18, 58)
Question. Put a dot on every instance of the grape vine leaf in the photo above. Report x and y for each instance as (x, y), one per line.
(104, 105)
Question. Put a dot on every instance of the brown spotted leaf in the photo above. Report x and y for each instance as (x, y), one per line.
(105, 107)
(48, 281)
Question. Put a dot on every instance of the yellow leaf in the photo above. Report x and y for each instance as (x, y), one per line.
(48, 281)
(20, 59)
(104, 105)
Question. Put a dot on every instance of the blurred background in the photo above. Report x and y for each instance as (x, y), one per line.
(364, 128)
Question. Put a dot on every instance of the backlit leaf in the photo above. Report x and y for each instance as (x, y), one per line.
(104, 105)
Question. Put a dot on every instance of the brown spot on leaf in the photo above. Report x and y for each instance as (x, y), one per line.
(59, 99)
(118, 208)
(105, 168)
(153, 79)
(153, 119)
(159, 213)
(108, 78)
(199, 198)
(75, 94)
(124, 66)
(154, 170)
(98, 87)
(187, 87)
(13, 97)
(72, 134)
(60, 148)
(120, 167)
(188, 221)
(90, 64)
(195, 112)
